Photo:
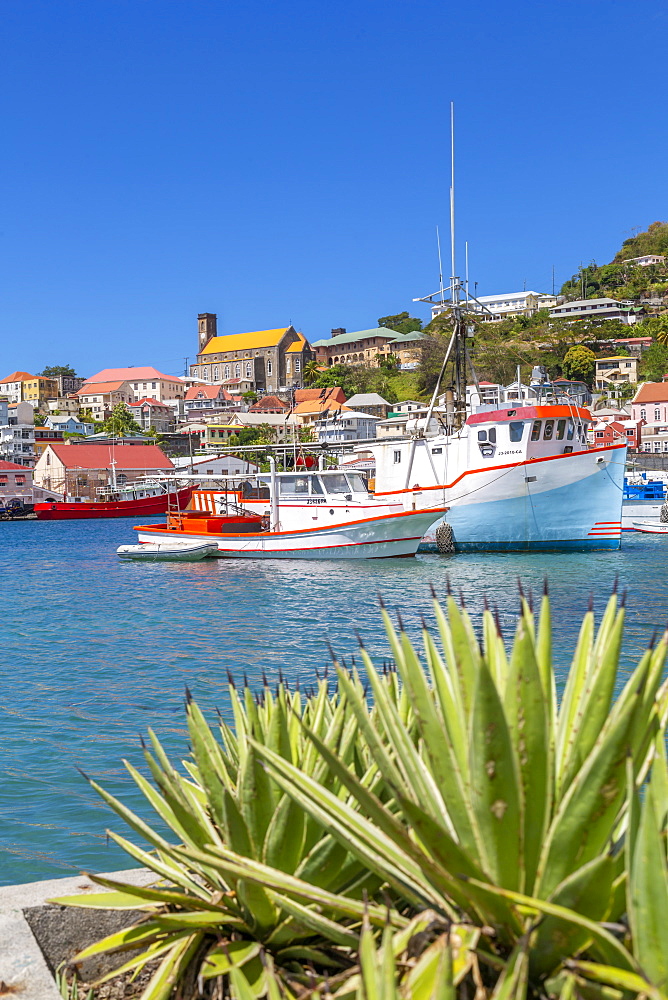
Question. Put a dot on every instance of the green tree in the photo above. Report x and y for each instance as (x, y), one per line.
(120, 422)
(311, 371)
(579, 363)
(654, 363)
(250, 397)
(54, 371)
(401, 322)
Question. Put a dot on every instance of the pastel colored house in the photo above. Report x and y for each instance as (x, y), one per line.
(85, 468)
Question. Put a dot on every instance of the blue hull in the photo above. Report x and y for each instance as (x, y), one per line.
(578, 517)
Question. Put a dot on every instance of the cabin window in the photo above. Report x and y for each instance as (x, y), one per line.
(561, 429)
(397, 457)
(516, 429)
(336, 483)
(549, 430)
(535, 430)
(357, 482)
(294, 487)
(316, 487)
(571, 430)
(488, 435)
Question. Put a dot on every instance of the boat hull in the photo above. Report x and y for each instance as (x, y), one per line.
(61, 510)
(570, 502)
(387, 536)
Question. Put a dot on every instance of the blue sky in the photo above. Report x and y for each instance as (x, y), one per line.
(289, 162)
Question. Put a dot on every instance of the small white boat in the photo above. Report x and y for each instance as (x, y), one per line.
(174, 549)
(651, 527)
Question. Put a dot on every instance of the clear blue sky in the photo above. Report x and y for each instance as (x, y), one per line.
(288, 161)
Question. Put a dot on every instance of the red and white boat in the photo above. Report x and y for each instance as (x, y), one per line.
(297, 515)
(137, 500)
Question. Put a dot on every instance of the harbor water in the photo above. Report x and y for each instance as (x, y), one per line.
(95, 651)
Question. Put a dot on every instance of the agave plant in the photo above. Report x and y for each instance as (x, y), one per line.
(508, 808)
(203, 922)
(462, 796)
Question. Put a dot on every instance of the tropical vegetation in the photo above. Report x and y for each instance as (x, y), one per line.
(448, 826)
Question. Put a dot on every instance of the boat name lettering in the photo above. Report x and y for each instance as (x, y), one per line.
(316, 500)
(511, 451)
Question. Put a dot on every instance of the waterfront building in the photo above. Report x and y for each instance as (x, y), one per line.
(17, 433)
(15, 482)
(614, 372)
(346, 425)
(362, 347)
(139, 382)
(369, 402)
(84, 468)
(261, 360)
(598, 310)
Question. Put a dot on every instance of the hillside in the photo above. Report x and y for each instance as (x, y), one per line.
(620, 280)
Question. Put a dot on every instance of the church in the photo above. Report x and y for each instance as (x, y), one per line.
(262, 361)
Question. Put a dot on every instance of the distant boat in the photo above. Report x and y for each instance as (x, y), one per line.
(137, 500)
(651, 527)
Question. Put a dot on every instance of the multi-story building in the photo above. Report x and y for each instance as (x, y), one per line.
(598, 310)
(11, 387)
(346, 425)
(17, 433)
(262, 360)
(38, 390)
(151, 413)
(101, 397)
(362, 347)
(85, 468)
(207, 401)
(142, 383)
(615, 371)
(369, 402)
(494, 308)
(67, 423)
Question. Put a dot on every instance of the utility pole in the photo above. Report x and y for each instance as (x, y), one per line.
(553, 279)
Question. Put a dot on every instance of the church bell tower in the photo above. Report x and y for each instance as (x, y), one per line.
(206, 329)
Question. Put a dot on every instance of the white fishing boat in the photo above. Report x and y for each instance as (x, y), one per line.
(651, 527)
(520, 475)
(297, 515)
(168, 550)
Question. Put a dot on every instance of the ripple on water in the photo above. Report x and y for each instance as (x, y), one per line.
(95, 651)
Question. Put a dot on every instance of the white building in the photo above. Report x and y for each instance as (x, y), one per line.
(597, 310)
(346, 425)
(494, 308)
(12, 386)
(17, 433)
(143, 383)
(646, 261)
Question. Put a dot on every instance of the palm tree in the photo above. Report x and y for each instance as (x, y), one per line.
(311, 371)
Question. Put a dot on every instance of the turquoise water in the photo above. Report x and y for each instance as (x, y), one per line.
(94, 651)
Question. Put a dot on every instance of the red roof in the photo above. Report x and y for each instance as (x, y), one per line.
(90, 388)
(16, 377)
(207, 392)
(652, 392)
(11, 466)
(100, 456)
(130, 375)
(268, 403)
(333, 392)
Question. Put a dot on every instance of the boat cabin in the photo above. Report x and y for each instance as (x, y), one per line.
(527, 432)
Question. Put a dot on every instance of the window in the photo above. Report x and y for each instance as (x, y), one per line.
(227, 371)
(337, 482)
(571, 430)
(215, 374)
(357, 482)
(535, 430)
(643, 414)
(270, 367)
(561, 428)
(249, 370)
(397, 457)
(599, 434)
(237, 371)
(549, 430)
(298, 365)
(287, 366)
(657, 414)
(516, 429)
(489, 435)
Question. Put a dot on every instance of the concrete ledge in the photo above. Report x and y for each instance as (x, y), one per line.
(36, 937)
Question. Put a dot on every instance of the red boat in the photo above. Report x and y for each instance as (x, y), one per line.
(144, 501)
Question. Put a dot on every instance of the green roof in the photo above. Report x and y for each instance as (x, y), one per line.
(350, 338)
(414, 335)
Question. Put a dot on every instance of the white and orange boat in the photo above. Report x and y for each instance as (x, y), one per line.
(297, 515)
